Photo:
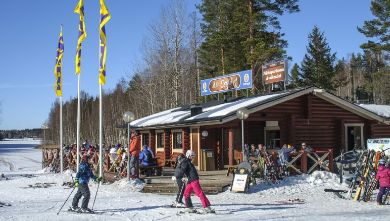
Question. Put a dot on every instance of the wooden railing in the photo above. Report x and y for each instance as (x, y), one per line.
(307, 162)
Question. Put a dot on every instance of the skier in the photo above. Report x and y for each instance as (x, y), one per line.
(178, 176)
(81, 181)
(383, 176)
(192, 184)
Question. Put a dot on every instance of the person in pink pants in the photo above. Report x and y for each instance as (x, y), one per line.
(188, 169)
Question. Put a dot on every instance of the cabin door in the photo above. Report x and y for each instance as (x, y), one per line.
(353, 136)
(195, 144)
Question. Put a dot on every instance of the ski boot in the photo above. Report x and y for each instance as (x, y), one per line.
(74, 209)
(189, 210)
(206, 210)
(86, 210)
(177, 205)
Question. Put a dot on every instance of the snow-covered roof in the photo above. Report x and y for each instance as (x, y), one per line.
(228, 108)
(220, 112)
(381, 110)
(165, 117)
(183, 115)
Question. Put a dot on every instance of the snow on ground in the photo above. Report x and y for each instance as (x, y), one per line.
(123, 201)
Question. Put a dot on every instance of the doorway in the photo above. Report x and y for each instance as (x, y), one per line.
(354, 136)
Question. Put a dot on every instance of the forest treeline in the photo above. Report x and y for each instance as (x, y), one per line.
(26, 133)
(225, 36)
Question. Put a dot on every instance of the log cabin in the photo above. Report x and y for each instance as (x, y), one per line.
(213, 130)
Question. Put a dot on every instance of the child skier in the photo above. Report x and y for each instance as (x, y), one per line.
(192, 180)
(178, 176)
(383, 176)
(81, 181)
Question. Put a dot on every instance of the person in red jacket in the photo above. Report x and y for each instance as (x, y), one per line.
(135, 147)
(383, 176)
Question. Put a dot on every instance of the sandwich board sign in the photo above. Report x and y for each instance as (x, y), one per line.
(240, 183)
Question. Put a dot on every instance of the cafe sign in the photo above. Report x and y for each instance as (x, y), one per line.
(274, 72)
(236, 81)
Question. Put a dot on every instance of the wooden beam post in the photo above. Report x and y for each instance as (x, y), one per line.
(230, 145)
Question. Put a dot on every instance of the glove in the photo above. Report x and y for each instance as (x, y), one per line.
(184, 179)
(173, 178)
(99, 179)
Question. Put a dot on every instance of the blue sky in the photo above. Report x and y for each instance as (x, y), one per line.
(29, 38)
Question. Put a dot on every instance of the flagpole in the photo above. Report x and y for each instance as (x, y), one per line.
(61, 150)
(61, 143)
(100, 132)
(78, 122)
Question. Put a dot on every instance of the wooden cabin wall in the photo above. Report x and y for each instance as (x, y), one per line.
(380, 131)
(310, 119)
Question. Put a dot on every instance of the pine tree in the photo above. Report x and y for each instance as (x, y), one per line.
(295, 81)
(376, 51)
(318, 64)
(378, 29)
(241, 35)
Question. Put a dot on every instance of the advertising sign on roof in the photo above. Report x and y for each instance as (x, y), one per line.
(236, 81)
(274, 72)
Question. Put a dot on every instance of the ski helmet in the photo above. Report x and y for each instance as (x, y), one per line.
(382, 162)
(190, 153)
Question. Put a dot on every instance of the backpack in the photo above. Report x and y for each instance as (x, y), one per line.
(148, 156)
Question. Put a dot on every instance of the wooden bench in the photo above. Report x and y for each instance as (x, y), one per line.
(151, 170)
(170, 162)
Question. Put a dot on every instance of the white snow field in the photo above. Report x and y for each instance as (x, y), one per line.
(23, 197)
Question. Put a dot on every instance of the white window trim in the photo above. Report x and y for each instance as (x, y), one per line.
(182, 137)
(143, 132)
(346, 125)
(159, 149)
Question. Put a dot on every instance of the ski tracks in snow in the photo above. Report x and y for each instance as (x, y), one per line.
(6, 163)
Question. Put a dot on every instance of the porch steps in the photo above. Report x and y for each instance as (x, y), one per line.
(212, 182)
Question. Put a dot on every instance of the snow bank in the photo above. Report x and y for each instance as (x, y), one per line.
(323, 177)
(132, 185)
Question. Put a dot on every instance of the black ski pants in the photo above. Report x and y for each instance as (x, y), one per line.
(180, 193)
(83, 190)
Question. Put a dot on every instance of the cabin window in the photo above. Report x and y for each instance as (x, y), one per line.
(160, 140)
(177, 140)
(272, 134)
(272, 138)
(145, 139)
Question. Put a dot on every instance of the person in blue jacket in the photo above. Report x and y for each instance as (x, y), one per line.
(82, 178)
(145, 157)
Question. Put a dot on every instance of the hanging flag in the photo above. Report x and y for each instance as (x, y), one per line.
(104, 18)
(82, 34)
(58, 66)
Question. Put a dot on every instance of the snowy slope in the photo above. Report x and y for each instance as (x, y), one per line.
(120, 201)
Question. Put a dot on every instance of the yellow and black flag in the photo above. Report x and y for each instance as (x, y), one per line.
(82, 34)
(104, 18)
(58, 66)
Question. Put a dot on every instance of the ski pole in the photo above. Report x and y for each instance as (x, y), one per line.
(95, 195)
(66, 201)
